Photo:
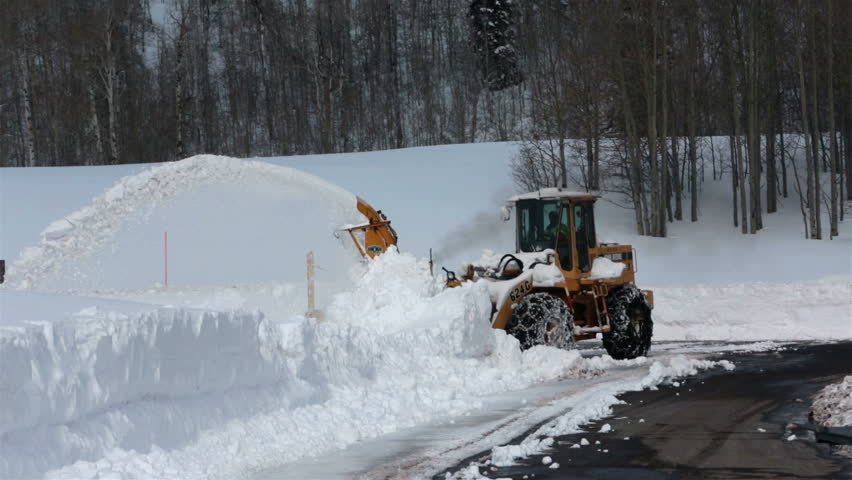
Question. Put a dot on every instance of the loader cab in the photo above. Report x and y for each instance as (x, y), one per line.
(558, 220)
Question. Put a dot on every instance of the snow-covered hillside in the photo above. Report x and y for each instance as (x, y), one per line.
(108, 371)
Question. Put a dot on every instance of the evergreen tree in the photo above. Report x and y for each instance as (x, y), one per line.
(493, 42)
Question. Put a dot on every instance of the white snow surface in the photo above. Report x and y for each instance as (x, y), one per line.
(108, 374)
(756, 311)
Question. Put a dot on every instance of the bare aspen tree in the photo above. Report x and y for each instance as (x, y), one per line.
(753, 133)
(832, 139)
(28, 128)
(816, 217)
(803, 94)
(665, 184)
(180, 100)
(108, 73)
(633, 152)
(649, 80)
(738, 156)
(692, 41)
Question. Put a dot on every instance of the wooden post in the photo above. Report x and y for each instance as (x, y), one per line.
(312, 310)
(166, 259)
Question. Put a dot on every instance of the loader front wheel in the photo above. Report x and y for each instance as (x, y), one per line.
(630, 322)
(542, 319)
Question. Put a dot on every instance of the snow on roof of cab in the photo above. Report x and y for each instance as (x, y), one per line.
(551, 192)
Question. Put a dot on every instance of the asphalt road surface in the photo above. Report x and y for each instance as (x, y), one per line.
(732, 425)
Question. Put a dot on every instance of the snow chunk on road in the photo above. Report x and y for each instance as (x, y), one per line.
(833, 404)
(832, 407)
(506, 456)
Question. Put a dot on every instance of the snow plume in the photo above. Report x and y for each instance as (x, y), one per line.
(481, 228)
(88, 230)
(172, 392)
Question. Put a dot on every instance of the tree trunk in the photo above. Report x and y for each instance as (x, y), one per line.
(633, 151)
(734, 177)
(649, 64)
(832, 140)
(753, 127)
(94, 122)
(816, 206)
(771, 176)
(28, 130)
(803, 94)
(109, 77)
(737, 131)
(690, 122)
(783, 146)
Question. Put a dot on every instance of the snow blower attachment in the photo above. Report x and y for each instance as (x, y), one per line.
(561, 285)
(376, 236)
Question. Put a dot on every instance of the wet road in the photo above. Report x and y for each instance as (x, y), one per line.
(714, 425)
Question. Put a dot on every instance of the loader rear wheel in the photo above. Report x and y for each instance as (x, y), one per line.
(542, 319)
(630, 322)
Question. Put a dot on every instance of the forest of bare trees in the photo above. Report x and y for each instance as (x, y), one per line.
(629, 89)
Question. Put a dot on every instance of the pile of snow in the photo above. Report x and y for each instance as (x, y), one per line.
(171, 392)
(833, 404)
(832, 407)
(89, 229)
(603, 267)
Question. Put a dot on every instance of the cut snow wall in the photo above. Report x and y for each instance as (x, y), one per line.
(72, 389)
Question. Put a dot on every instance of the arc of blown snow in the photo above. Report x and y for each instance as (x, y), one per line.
(88, 229)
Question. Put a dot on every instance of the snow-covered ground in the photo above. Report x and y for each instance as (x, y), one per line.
(106, 371)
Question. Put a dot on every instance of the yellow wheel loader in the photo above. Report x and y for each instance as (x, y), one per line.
(560, 285)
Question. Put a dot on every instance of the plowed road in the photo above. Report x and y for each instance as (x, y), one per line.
(715, 425)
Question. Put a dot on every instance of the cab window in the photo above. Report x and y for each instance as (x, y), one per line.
(584, 226)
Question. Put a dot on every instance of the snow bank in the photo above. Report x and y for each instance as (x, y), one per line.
(173, 392)
(76, 388)
(832, 406)
(813, 310)
(89, 229)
